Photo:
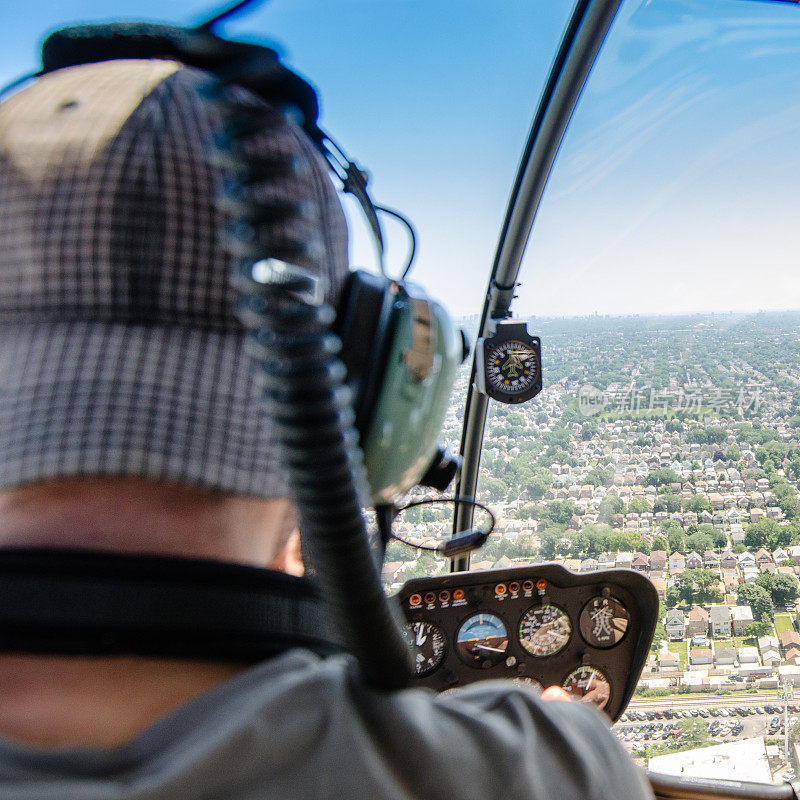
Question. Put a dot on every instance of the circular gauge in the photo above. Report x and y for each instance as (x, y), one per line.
(427, 646)
(544, 630)
(589, 684)
(482, 640)
(512, 366)
(529, 683)
(603, 622)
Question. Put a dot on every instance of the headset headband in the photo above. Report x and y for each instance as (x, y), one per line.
(194, 47)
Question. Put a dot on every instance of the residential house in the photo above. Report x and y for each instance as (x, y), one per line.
(697, 622)
(676, 562)
(790, 643)
(606, 561)
(660, 586)
(675, 624)
(589, 565)
(768, 647)
(748, 655)
(694, 561)
(640, 563)
(741, 617)
(750, 573)
(623, 560)
(724, 656)
(658, 560)
(728, 560)
(731, 583)
(719, 618)
(763, 556)
(700, 657)
(780, 555)
(710, 560)
(746, 558)
(667, 660)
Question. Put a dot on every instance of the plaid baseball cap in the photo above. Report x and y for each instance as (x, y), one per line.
(119, 350)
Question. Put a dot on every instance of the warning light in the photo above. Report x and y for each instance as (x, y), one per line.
(541, 584)
(430, 597)
(458, 594)
(500, 588)
(415, 600)
(513, 587)
(528, 586)
(444, 596)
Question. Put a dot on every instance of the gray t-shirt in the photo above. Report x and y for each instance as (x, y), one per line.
(300, 727)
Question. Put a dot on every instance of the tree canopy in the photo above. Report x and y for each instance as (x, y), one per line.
(758, 598)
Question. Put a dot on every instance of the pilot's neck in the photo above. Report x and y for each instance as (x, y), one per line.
(106, 701)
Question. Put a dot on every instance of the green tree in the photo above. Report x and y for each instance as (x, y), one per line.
(732, 453)
(559, 511)
(782, 587)
(757, 534)
(699, 542)
(599, 477)
(758, 598)
(676, 540)
(538, 484)
(672, 502)
(758, 628)
(548, 542)
(673, 597)
(660, 542)
(696, 503)
(661, 477)
(638, 505)
(609, 506)
(698, 586)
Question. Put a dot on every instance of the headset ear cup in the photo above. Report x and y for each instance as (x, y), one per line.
(364, 323)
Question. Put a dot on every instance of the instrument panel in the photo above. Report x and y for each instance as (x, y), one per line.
(541, 625)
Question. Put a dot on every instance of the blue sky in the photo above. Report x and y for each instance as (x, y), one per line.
(675, 188)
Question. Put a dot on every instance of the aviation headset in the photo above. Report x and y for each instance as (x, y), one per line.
(399, 348)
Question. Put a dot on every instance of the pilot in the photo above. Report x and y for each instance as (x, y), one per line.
(130, 422)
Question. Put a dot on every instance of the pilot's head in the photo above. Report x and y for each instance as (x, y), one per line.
(129, 414)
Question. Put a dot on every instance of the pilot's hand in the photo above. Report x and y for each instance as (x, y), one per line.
(555, 693)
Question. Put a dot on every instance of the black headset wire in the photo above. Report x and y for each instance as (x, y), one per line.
(283, 309)
(412, 237)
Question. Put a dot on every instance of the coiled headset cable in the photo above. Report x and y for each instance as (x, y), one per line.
(289, 334)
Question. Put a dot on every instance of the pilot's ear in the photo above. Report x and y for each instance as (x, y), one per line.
(290, 559)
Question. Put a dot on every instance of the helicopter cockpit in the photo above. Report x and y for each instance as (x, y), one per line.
(607, 192)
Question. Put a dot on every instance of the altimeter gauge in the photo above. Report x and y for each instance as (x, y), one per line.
(544, 630)
(427, 645)
(508, 365)
(589, 684)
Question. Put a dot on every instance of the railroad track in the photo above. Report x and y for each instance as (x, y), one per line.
(706, 701)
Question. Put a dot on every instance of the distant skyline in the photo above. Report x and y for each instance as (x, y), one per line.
(675, 190)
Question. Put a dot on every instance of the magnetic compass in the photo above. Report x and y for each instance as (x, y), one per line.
(508, 365)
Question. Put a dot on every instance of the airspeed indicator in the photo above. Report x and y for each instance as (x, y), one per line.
(427, 646)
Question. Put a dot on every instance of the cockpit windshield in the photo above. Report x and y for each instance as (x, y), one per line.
(661, 277)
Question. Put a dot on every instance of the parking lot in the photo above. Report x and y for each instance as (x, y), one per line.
(639, 728)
